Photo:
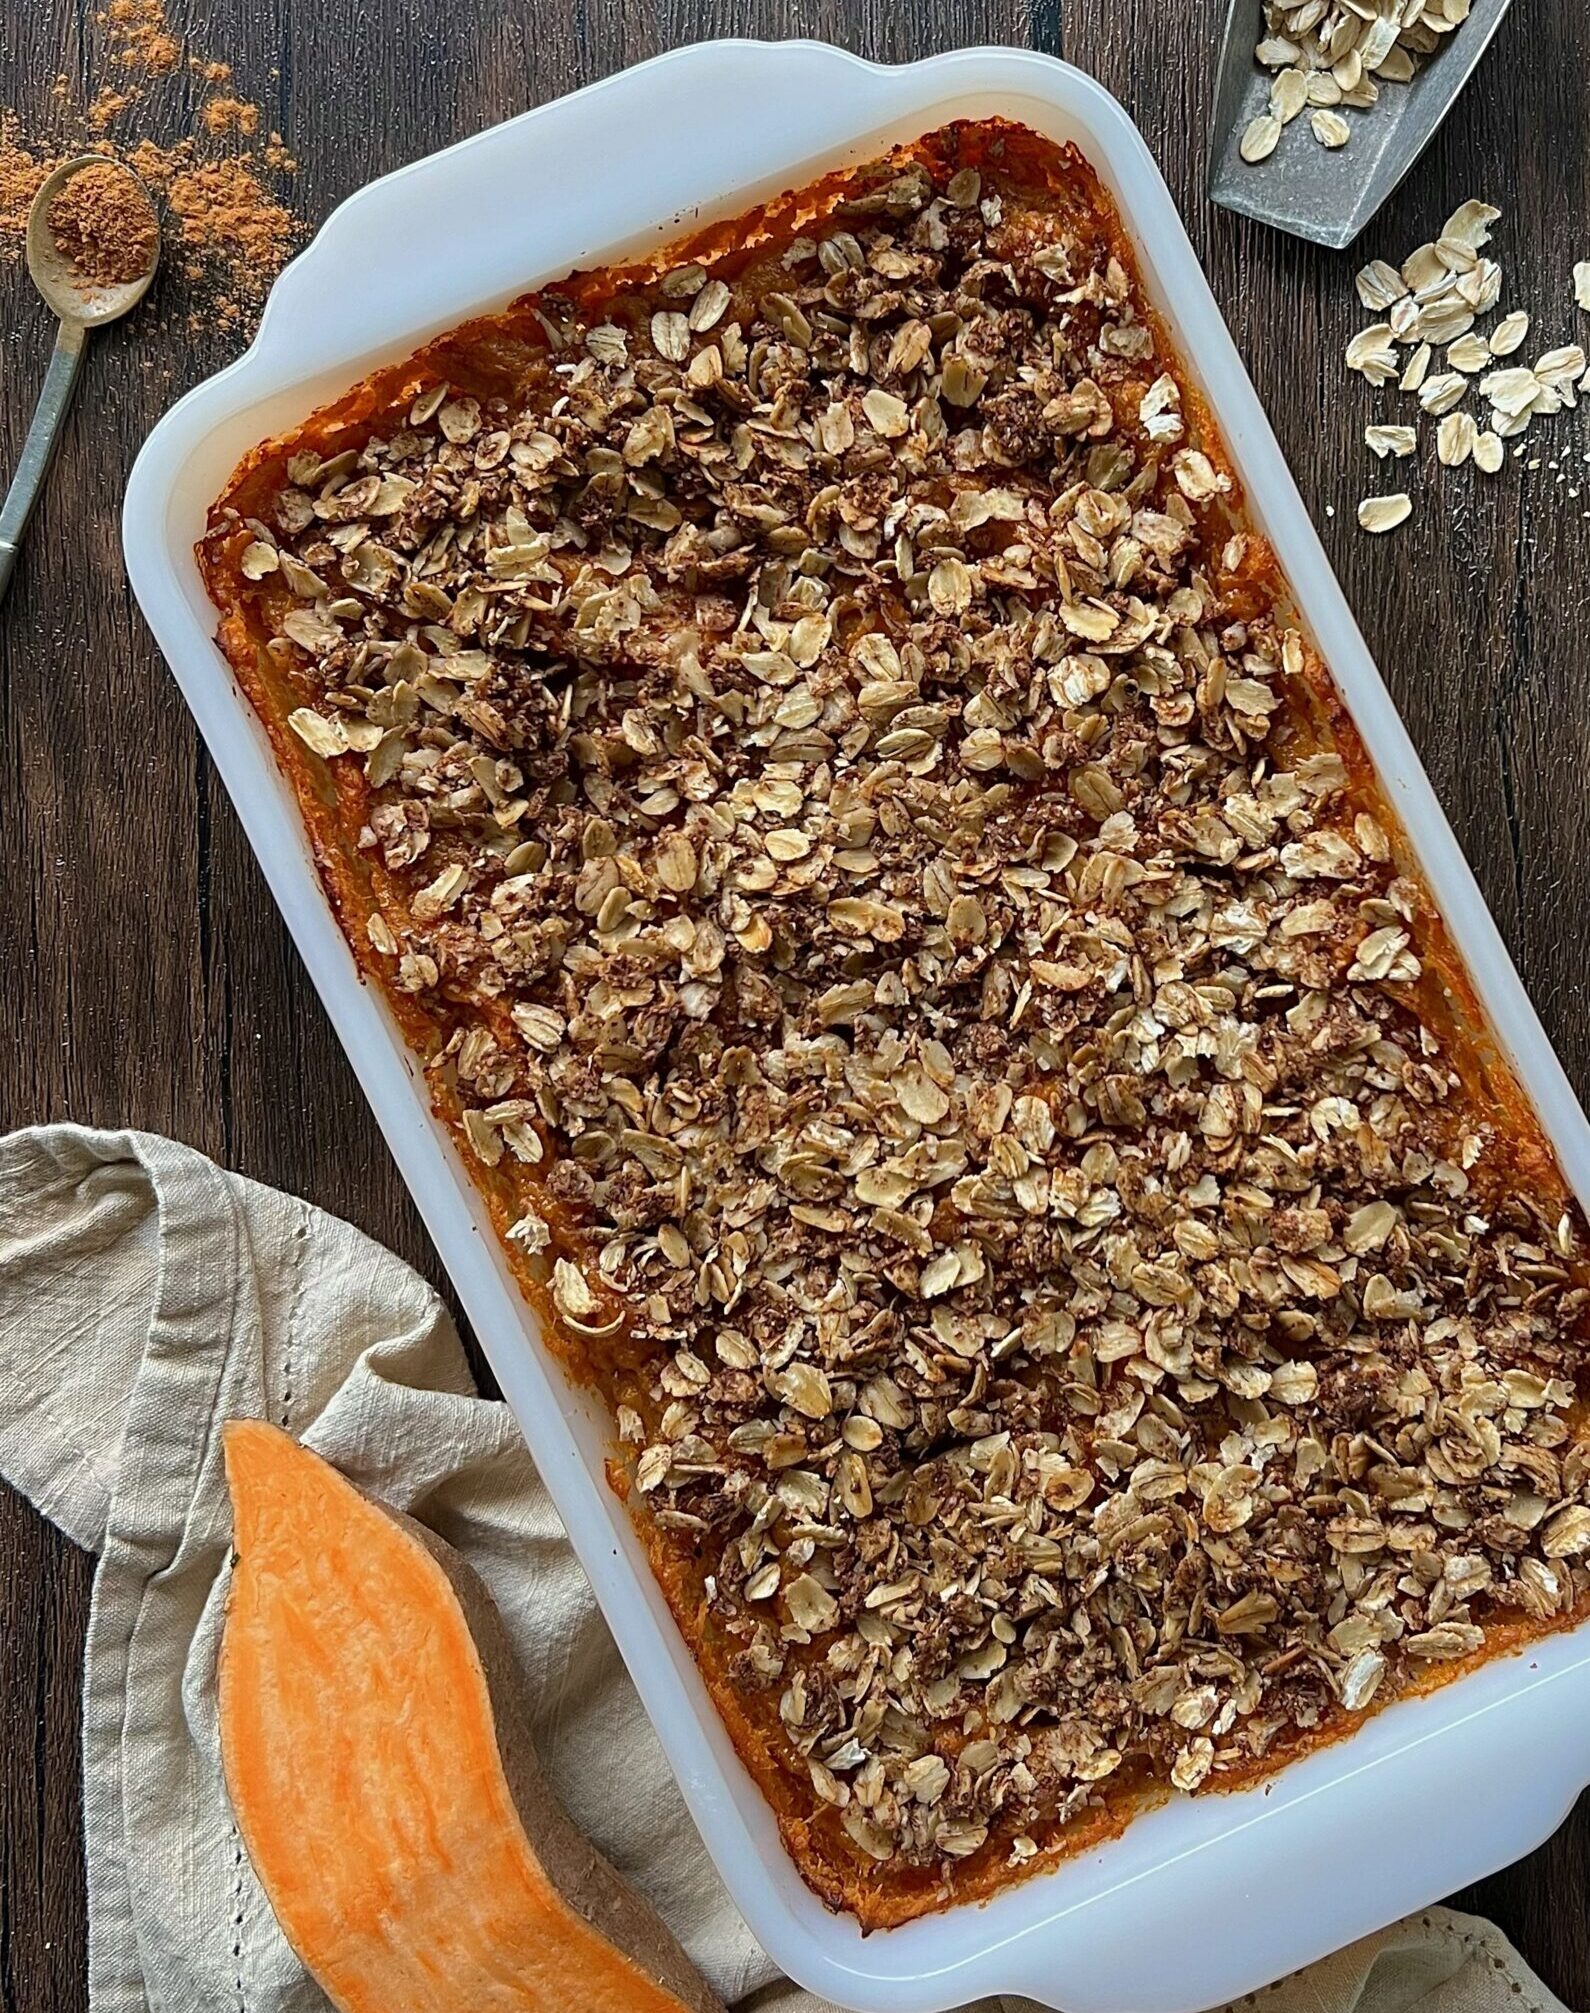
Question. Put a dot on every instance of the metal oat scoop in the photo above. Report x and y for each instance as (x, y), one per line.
(1330, 194)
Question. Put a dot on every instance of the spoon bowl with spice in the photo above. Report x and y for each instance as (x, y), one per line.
(93, 247)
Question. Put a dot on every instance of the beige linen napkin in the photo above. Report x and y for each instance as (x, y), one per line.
(145, 1297)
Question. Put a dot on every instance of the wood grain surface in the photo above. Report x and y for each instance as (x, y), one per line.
(145, 979)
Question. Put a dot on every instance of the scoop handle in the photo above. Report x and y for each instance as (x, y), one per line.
(71, 338)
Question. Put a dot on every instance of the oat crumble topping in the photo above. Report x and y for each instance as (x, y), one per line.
(837, 764)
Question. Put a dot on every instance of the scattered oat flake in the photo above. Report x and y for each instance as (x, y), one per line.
(1513, 391)
(1509, 333)
(1488, 452)
(1581, 284)
(1470, 224)
(1415, 370)
(1330, 129)
(1442, 392)
(1379, 284)
(1391, 440)
(1424, 269)
(1482, 286)
(1385, 513)
(1455, 438)
(1373, 352)
(324, 736)
(1558, 364)
(1261, 137)
(1470, 353)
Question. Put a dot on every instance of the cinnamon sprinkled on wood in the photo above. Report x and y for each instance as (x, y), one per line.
(230, 232)
(22, 174)
(138, 37)
(230, 115)
(108, 105)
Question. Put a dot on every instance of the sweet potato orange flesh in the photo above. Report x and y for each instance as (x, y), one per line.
(388, 1799)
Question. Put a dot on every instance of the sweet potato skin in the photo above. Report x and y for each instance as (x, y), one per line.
(453, 1874)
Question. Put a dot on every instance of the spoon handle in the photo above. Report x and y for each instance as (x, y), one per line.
(56, 395)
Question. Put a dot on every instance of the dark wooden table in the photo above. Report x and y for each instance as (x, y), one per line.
(144, 976)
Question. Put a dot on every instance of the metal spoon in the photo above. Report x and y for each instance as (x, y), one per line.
(1316, 192)
(82, 304)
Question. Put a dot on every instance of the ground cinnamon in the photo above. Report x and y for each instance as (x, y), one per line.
(137, 36)
(230, 236)
(105, 226)
(228, 231)
(108, 106)
(230, 115)
(22, 173)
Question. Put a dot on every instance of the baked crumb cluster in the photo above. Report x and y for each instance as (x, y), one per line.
(837, 767)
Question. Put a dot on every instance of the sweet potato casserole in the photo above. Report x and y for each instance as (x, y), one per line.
(804, 736)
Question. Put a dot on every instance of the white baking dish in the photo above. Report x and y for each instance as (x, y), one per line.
(1203, 1899)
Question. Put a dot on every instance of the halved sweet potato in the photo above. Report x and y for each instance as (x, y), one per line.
(384, 1784)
